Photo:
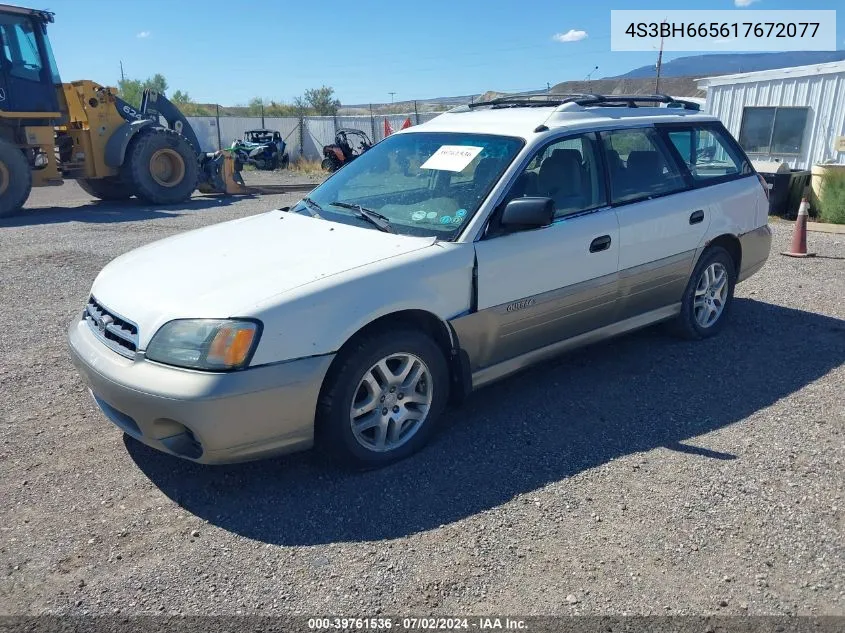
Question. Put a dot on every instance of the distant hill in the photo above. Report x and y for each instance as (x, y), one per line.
(677, 79)
(433, 104)
(698, 66)
(675, 86)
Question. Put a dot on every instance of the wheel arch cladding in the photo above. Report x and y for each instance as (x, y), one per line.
(115, 150)
(731, 244)
(437, 329)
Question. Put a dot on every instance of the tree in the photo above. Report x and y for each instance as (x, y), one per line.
(255, 106)
(157, 82)
(322, 100)
(300, 106)
(131, 90)
(181, 98)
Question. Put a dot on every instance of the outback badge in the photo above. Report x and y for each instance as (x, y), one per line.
(520, 305)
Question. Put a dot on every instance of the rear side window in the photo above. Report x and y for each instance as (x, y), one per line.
(639, 165)
(706, 152)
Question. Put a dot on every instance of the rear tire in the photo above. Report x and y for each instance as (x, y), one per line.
(161, 166)
(708, 297)
(396, 415)
(329, 164)
(106, 188)
(15, 179)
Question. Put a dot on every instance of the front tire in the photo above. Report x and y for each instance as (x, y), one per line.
(382, 398)
(708, 296)
(105, 188)
(161, 166)
(15, 179)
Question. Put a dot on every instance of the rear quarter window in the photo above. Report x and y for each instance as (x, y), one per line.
(707, 152)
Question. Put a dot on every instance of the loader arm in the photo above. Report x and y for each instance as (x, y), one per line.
(127, 111)
(154, 103)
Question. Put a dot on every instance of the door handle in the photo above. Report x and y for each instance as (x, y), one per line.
(696, 217)
(600, 244)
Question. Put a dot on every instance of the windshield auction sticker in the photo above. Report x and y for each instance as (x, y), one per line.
(702, 30)
(452, 157)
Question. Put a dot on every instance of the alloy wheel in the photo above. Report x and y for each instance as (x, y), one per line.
(391, 402)
(711, 294)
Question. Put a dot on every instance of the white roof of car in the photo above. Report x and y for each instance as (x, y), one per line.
(523, 121)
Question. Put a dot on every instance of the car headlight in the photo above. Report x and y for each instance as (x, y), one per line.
(210, 344)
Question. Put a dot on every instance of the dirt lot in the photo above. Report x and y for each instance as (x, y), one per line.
(643, 475)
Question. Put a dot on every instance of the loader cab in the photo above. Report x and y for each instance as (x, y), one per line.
(29, 77)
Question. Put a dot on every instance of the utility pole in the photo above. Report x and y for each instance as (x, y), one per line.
(548, 87)
(659, 66)
(590, 77)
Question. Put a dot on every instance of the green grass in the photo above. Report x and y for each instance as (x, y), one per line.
(307, 167)
(831, 201)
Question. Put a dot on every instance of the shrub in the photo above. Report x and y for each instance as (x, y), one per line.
(832, 198)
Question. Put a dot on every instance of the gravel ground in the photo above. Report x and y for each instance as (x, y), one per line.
(643, 475)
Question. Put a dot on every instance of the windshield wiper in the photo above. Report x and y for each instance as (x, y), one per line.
(309, 202)
(381, 222)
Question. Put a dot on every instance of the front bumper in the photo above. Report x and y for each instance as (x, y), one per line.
(210, 418)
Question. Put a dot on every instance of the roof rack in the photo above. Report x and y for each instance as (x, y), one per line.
(548, 99)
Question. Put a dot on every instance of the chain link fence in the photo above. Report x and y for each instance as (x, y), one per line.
(305, 136)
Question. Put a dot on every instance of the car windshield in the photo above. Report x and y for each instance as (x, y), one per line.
(422, 183)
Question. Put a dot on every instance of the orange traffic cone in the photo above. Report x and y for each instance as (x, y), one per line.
(799, 235)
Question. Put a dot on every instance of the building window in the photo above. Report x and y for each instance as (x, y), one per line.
(773, 130)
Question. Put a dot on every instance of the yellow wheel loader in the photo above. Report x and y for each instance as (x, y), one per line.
(51, 131)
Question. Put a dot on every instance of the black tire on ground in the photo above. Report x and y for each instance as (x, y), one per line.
(329, 164)
(15, 179)
(161, 166)
(285, 161)
(106, 188)
(686, 325)
(334, 426)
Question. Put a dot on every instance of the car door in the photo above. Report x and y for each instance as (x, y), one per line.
(719, 172)
(540, 286)
(662, 219)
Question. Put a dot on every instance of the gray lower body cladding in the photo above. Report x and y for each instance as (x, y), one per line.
(498, 334)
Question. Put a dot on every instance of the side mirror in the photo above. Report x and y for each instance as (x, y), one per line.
(528, 213)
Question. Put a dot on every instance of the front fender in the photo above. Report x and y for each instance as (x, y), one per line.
(115, 150)
(322, 316)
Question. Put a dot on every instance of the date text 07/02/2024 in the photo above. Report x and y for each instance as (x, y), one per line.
(418, 624)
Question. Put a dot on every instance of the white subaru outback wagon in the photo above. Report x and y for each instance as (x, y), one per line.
(449, 255)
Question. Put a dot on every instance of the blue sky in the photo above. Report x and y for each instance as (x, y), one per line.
(227, 52)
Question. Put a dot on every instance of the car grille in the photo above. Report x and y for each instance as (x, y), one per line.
(116, 332)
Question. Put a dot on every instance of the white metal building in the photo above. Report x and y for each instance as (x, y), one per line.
(793, 115)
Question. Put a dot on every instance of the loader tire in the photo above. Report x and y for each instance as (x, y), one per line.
(161, 166)
(106, 188)
(15, 179)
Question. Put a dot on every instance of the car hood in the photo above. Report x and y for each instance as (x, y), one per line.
(227, 269)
